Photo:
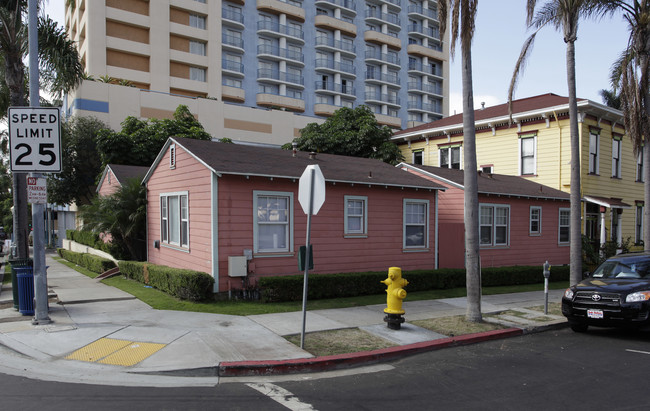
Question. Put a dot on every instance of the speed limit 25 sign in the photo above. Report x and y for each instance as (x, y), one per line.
(35, 139)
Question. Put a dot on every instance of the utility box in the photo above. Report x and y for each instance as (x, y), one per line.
(237, 266)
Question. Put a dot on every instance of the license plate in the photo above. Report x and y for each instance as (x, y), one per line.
(595, 314)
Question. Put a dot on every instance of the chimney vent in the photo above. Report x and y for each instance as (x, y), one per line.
(294, 145)
(312, 155)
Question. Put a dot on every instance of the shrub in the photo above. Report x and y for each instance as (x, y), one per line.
(184, 284)
(289, 288)
(91, 262)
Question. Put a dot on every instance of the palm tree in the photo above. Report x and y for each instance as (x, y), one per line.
(611, 98)
(123, 216)
(564, 15)
(630, 75)
(59, 63)
(463, 14)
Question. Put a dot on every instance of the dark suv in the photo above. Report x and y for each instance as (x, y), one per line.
(617, 294)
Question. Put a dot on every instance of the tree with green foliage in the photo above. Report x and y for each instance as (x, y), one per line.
(80, 162)
(350, 132)
(611, 98)
(123, 216)
(140, 141)
(60, 70)
(6, 200)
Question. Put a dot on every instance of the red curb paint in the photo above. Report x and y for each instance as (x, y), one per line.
(333, 362)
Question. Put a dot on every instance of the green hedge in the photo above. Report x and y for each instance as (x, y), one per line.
(91, 239)
(184, 284)
(289, 288)
(91, 262)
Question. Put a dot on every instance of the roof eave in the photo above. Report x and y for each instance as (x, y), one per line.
(610, 112)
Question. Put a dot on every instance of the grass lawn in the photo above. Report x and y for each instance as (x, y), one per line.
(162, 301)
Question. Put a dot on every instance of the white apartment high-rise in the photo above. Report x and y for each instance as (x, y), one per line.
(260, 70)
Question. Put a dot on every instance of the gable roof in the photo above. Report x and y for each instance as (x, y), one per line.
(492, 184)
(123, 173)
(237, 159)
(541, 106)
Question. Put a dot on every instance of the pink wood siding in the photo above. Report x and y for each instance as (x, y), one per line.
(333, 253)
(108, 188)
(523, 249)
(194, 178)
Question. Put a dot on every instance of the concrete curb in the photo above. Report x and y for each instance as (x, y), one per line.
(333, 362)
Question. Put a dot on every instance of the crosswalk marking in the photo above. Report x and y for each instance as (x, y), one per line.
(281, 396)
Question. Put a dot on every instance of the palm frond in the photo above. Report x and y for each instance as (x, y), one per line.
(520, 65)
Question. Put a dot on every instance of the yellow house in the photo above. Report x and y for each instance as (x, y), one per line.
(536, 145)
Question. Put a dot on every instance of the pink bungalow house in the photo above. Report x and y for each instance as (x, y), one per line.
(232, 211)
(520, 222)
(115, 175)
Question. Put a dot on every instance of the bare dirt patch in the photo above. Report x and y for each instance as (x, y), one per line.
(553, 308)
(456, 325)
(340, 342)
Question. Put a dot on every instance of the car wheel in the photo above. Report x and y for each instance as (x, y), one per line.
(579, 328)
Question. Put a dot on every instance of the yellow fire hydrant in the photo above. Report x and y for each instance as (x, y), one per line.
(395, 293)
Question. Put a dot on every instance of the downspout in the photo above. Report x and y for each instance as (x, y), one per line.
(214, 237)
(559, 176)
(435, 254)
(146, 224)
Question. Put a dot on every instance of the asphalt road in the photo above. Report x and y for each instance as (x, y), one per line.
(554, 370)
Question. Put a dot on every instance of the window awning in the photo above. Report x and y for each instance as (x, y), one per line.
(607, 202)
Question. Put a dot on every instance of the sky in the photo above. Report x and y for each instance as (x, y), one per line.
(500, 33)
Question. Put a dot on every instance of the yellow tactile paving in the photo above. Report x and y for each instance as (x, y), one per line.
(115, 352)
(132, 354)
(97, 350)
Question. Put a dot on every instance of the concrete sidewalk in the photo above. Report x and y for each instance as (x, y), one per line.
(101, 334)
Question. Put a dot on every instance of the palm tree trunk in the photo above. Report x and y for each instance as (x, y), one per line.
(575, 196)
(646, 156)
(472, 257)
(14, 75)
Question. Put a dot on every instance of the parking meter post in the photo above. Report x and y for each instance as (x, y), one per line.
(547, 274)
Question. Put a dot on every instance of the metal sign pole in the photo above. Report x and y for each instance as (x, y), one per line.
(38, 223)
(307, 240)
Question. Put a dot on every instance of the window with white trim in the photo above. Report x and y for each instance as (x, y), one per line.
(417, 157)
(638, 224)
(616, 224)
(494, 224)
(527, 150)
(616, 157)
(356, 215)
(639, 166)
(450, 157)
(174, 219)
(416, 218)
(273, 227)
(564, 226)
(594, 138)
(535, 226)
